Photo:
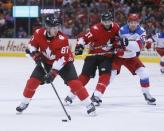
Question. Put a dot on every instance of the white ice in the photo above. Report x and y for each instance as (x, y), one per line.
(123, 108)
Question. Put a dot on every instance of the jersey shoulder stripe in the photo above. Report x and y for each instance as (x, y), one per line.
(125, 30)
(161, 35)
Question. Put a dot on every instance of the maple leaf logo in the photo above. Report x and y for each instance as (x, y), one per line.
(48, 54)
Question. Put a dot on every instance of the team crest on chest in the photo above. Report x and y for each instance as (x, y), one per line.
(48, 54)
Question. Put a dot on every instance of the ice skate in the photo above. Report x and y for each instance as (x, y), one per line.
(68, 101)
(91, 110)
(22, 107)
(162, 71)
(96, 100)
(150, 100)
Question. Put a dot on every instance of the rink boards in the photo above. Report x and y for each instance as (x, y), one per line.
(16, 48)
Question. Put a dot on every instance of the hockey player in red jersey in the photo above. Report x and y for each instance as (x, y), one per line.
(50, 46)
(101, 40)
(133, 36)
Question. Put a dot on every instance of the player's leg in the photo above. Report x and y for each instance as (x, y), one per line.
(116, 67)
(136, 67)
(69, 75)
(145, 84)
(88, 71)
(104, 66)
(162, 64)
(36, 78)
(160, 51)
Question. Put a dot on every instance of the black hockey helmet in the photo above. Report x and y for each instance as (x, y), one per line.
(107, 16)
(52, 20)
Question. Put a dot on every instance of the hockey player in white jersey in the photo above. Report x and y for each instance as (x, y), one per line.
(133, 36)
(160, 48)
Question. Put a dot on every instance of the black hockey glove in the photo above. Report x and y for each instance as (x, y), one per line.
(36, 55)
(124, 42)
(79, 49)
(50, 76)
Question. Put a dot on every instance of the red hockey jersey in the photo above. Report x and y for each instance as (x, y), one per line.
(51, 50)
(99, 38)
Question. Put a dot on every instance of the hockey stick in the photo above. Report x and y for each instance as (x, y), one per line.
(42, 65)
(103, 53)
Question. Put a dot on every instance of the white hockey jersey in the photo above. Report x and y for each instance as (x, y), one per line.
(133, 46)
(159, 39)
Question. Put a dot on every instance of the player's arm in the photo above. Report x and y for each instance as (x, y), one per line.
(33, 44)
(33, 47)
(146, 40)
(149, 41)
(63, 56)
(84, 40)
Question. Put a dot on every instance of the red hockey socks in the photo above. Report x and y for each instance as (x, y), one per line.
(78, 89)
(103, 83)
(84, 79)
(31, 86)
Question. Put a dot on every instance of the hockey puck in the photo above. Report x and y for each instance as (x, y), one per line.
(64, 120)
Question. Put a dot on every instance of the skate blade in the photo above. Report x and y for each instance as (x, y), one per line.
(66, 103)
(92, 114)
(18, 113)
(96, 104)
(151, 103)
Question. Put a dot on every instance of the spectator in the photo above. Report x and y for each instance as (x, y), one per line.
(67, 28)
(21, 33)
(2, 20)
(80, 14)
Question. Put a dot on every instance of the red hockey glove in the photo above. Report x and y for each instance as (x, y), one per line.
(50, 76)
(115, 42)
(79, 49)
(119, 52)
(148, 44)
(36, 55)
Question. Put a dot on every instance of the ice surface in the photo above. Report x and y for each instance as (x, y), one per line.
(123, 108)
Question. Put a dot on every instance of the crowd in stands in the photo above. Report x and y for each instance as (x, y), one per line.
(78, 15)
(6, 19)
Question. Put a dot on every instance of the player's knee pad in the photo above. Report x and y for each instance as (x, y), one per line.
(142, 73)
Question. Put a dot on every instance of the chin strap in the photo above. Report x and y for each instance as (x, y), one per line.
(108, 27)
(48, 37)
